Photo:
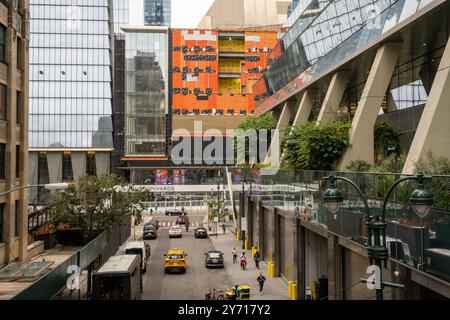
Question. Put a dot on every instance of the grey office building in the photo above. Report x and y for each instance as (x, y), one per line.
(70, 120)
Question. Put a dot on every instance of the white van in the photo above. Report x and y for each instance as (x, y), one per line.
(139, 248)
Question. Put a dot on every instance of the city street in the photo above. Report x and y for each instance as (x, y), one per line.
(197, 280)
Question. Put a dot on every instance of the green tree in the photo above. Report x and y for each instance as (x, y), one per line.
(315, 147)
(265, 121)
(94, 205)
(386, 139)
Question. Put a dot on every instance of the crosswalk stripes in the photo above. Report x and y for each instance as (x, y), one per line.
(168, 224)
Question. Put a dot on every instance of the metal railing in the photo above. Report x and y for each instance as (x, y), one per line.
(420, 243)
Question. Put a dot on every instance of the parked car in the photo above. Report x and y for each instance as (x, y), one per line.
(150, 235)
(175, 260)
(214, 259)
(174, 213)
(149, 227)
(139, 248)
(183, 220)
(175, 232)
(155, 223)
(200, 233)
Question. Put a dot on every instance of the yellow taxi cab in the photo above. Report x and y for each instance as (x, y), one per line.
(175, 261)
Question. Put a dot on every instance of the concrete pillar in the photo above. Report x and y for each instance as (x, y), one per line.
(334, 268)
(250, 222)
(304, 108)
(276, 243)
(301, 266)
(332, 101)
(361, 134)
(433, 134)
(103, 163)
(261, 230)
(78, 165)
(284, 120)
(54, 162)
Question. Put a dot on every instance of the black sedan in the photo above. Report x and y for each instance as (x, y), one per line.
(214, 259)
(200, 233)
(150, 235)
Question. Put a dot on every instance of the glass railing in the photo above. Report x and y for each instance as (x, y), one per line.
(421, 243)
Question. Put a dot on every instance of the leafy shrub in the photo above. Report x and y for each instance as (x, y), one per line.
(315, 147)
(265, 121)
(386, 139)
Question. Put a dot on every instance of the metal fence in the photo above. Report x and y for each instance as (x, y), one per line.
(54, 281)
(421, 243)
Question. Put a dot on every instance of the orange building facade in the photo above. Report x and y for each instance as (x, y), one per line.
(213, 71)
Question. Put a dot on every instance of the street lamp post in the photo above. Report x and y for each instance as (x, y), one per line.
(49, 186)
(421, 200)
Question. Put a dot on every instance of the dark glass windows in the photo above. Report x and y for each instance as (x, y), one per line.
(67, 171)
(2, 43)
(91, 169)
(3, 102)
(16, 218)
(2, 161)
(17, 162)
(2, 210)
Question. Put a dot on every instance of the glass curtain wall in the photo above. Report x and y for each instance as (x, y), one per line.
(146, 60)
(70, 74)
(157, 12)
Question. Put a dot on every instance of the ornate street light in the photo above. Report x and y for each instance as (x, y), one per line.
(421, 201)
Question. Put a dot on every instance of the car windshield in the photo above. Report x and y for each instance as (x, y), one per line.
(175, 229)
(215, 255)
(175, 256)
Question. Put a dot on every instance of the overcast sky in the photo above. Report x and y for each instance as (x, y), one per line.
(187, 13)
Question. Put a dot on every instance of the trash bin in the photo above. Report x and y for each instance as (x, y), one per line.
(245, 292)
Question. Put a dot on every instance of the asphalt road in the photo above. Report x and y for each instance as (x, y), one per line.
(197, 280)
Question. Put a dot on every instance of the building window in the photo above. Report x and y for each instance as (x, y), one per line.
(2, 161)
(43, 195)
(91, 169)
(2, 208)
(19, 107)
(17, 162)
(67, 171)
(3, 102)
(2, 43)
(17, 218)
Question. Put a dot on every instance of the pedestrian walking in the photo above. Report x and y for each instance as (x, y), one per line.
(261, 279)
(243, 261)
(257, 258)
(234, 255)
(224, 228)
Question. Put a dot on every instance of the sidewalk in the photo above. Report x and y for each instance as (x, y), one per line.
(274, 288)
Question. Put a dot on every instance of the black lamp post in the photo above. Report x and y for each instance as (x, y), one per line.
(242, 210)
(421, 201)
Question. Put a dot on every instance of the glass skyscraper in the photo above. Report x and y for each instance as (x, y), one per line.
(121, 14)
(157, 12)
(146, 93)
(70, 88)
